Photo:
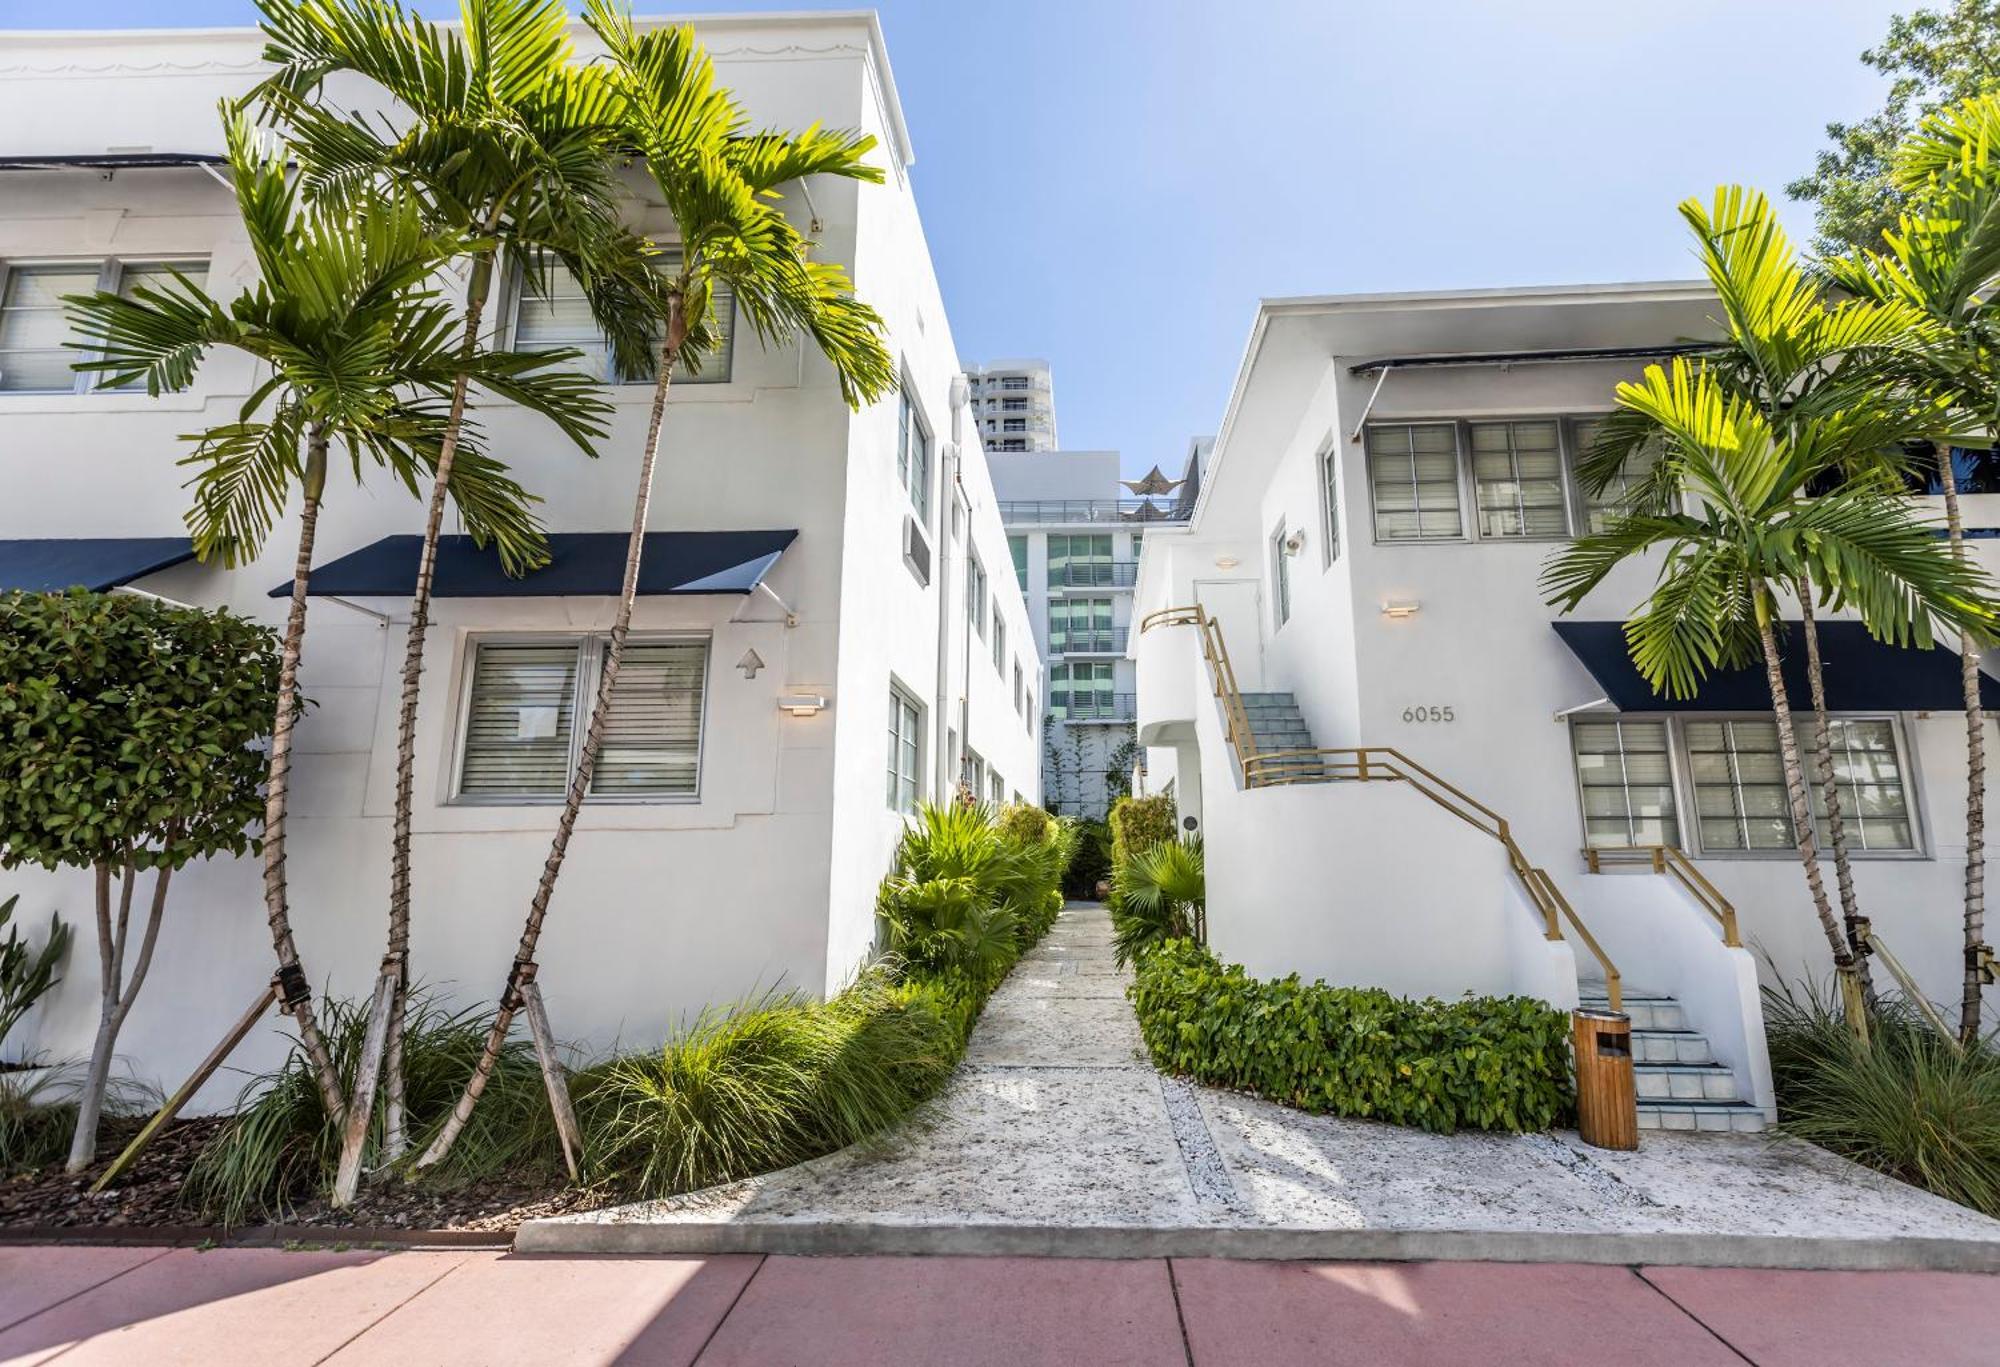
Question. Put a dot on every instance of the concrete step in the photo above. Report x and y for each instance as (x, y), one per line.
(1684, 1082)
(1701, 1117)
(1647, 1012)
(1283, 699)
(1670, 1046)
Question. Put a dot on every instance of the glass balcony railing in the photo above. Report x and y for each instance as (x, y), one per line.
(1094, 574)
(1070, 511)
(1072, 642)
(1094, 706)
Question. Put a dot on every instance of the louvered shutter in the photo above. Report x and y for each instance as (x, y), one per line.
(522, 711)
(652, 737)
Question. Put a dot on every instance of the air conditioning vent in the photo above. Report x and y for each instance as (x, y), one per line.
(916, 550)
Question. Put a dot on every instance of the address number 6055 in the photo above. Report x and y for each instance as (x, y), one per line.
(1428, 714)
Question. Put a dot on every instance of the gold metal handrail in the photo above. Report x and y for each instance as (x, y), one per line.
(1673, 862)
(1377, 763)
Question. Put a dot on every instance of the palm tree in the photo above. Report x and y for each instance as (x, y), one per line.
(1753, 530)
(719, 185)
(510, 145)
(1798, 360)
(1943, 261)
(361, 355)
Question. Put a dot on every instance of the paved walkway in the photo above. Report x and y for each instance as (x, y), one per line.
(1057, 1137)
(269, 1308)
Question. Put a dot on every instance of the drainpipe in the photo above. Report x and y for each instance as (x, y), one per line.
(949, 488)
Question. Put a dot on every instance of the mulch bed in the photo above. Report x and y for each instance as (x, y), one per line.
(148, 1197)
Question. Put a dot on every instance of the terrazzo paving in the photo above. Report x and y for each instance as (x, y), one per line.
(1056, 1135)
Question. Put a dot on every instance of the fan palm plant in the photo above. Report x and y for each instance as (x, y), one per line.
(720, 186)
(1943, 261)
(1159, 894)
(1799, 359)
(360, 356)
(1745, 531)
(510, 145)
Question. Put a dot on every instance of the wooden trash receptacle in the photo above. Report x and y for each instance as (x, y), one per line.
(1607, 1103)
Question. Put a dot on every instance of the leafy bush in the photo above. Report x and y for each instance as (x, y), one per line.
(1909, 1104)
(1038, 849)
(767, 1083)
(1498, 1063)
(970, 893)
(280, 1147)
(26, 975)
(1159, 895)
(1089, 860)
(1025, 825)
(1138, 824)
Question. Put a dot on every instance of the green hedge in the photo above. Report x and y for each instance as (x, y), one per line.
(1138, 824)
(1490, 1063)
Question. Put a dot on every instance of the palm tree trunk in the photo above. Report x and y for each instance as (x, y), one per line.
(396, 956)
(522, 970)
(1969, 1010)
(294, 989)
(1836, 830)
(1801, 809)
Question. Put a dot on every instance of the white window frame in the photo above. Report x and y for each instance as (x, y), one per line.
(1281, 580)
(590, 648)
(609, 374)
(1468, 488)
(910, 417)
(1679, 796)
(901, 697)
(999, 638)
(1329, 495)
(976, 589)
(110, 276)
(1688, 819)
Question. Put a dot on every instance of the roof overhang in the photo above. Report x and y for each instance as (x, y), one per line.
(99, 563)
(581, 565)
(109, 161)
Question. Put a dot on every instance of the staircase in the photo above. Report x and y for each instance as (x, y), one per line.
(1276, 725)
(1680, 1085)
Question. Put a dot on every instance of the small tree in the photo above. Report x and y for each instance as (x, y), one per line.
(127, 735)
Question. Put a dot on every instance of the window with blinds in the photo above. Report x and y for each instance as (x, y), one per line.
(1868, 776)
(1624, 776)
(561, 317)
(34, 330)
(905, 750)
(1517, 479)
(527, 702)
(1413, 476)
(1600, 510)
(1739, 785)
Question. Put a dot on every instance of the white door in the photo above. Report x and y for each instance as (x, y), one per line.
(1238, 605)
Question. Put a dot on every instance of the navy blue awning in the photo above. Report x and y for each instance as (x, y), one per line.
(1862, 674)
(89, 562)
(581, 565)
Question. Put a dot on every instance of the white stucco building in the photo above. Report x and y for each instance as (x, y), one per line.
(819, 619)
(1014, 402)
(1390, 476)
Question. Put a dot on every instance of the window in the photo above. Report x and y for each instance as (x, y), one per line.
(561, 317)
(906, 745)
(1517, 479)
(1624, 775)
(913, 456)
(998, 790)
(1281, 577)
(973, 775)
(1015, 406)
(1013, 424)
(975, 595)
(999, 638)
(1868, 774)
(34, 328)
(1029, 716)
(1080, 624)
(1013, 381)
(1081, 561)
(521, 738)
(1011, 444)
(1599, 511)
(1017, 546)
(1329, 483)
(1739, 785)
(1082, 689)
(1413, 473)
(1019, 701)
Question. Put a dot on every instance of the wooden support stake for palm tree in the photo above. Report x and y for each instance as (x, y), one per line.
(347, 1178)
(553, 1078)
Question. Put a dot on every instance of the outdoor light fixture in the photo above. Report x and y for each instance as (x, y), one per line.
(802, 704)
(1400, 610)
(1226, 562)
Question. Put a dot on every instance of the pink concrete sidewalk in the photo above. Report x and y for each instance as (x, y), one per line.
(272, 1308)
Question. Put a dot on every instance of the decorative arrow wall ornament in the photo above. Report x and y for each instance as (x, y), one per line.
(750, 664)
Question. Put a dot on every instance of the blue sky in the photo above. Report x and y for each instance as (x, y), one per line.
(1114, 184)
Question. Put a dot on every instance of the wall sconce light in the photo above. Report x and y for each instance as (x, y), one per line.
(1398, 611)
(1295, 543)
(1226, 562)
(802, 704)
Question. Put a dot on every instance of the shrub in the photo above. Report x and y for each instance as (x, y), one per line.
(25, 974)
(1138, 824)
(280, 1146)
(37, 1113)
(1089, 860)
(767, 1083)
(1483, 1063)
(1159, 895)
(1909, 1104)
(1025, 825)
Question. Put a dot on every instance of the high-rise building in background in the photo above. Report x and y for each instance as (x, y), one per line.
(1014, 403)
